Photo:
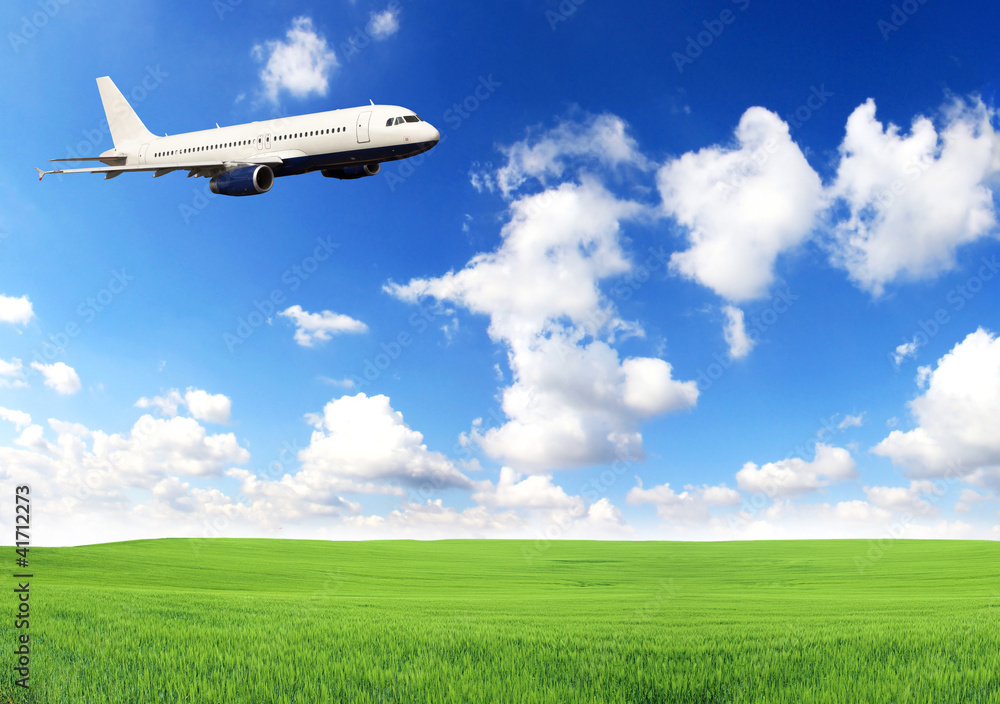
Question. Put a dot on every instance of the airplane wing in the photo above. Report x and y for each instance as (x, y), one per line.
(194, 168)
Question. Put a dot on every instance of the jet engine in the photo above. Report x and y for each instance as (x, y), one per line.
(244, 181)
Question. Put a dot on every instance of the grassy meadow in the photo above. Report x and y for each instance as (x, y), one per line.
(229, 620)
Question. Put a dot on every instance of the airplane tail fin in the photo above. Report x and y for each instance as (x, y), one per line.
(125, 125)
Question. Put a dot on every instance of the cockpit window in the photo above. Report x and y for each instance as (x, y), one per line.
(411, 118)
(399, 120)
(388, 123)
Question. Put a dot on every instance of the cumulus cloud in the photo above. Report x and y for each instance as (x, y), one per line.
(17, 311)
(596, 140)
(384, 24)
(967, 499)
(956, 433)
(361, 444)
(573, 401)
(20, 419)
(735, 332)
(741, 206)
(214, 408)
(795, 476)
(689, 506)
(851, 421)
(12, 374)
(913, 199)
(905, 350)
(157, 447)
(90, 472)
(514, 490)
(905, 499)
(166, 405)
(59, 376)
(300, 65)
(319, 327)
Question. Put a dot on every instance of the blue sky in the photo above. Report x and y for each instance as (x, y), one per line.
(720, 271)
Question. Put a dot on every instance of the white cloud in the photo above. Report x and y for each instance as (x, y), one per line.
(967, 499)
(20, 419)
(59, 376)
(300, 65)
(957, 414)
(17, 311)
(904, 499)
(856, 511)
(88, 479)
(742, 206)
(600, 140)
(689, 506)
(572, 401)
(158, 447)
(435, 520)
(851, 422)
(914, 199)
(384, 24)
(795, 476)
(905, 350)
(319, 327)
(165, 405)
(214, 408)
(739, 342)
(362, 440)
(514, 490)
(12, 374)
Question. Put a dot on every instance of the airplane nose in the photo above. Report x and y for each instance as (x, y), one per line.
(435, 135)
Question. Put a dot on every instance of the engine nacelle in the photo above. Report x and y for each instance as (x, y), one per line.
(244, 181)
(348, 172)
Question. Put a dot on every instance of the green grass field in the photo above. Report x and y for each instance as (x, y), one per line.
(475, 621)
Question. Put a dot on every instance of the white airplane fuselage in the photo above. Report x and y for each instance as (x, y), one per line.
(245, 159)
(346, 137)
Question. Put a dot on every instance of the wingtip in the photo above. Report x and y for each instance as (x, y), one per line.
(40, 173)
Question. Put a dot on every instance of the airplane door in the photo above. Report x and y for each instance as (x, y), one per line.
(142, 153)
(267, 141)
(260, 142)
(363, 120)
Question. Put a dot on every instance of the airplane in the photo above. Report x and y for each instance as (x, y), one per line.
(244, 160)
